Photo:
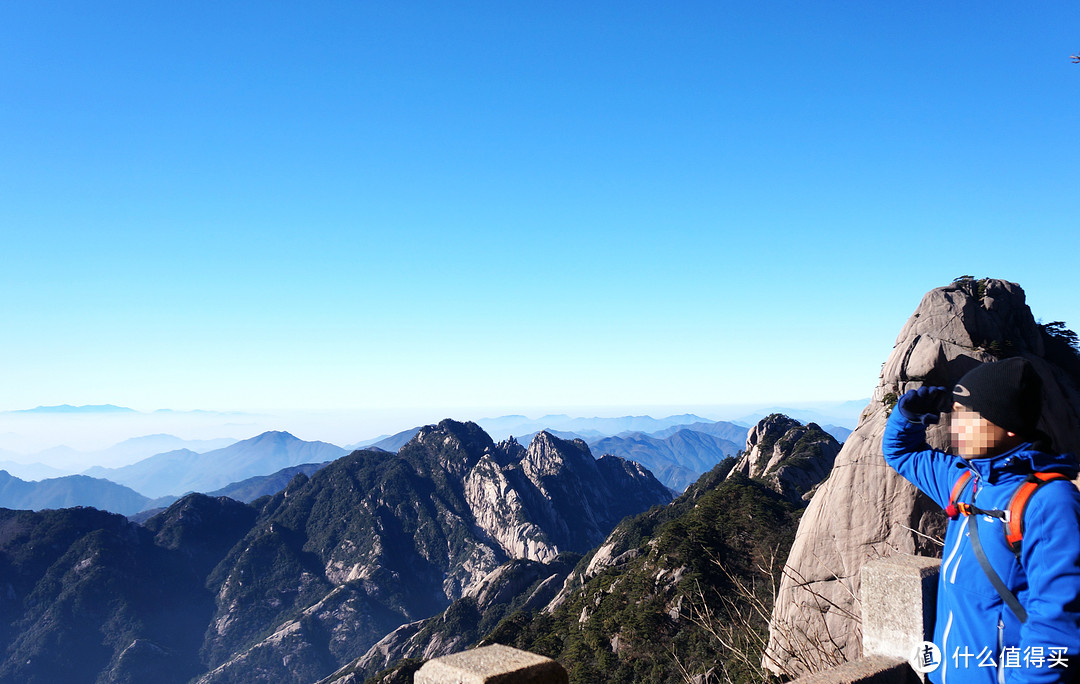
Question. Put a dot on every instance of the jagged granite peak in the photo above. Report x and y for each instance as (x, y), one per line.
(503, 505)
(762, 443)
(864, 509)
(510, 450)
(455, 447)
(632, 610)
(548, 455)
(554, 496)
(790, 457)
(572, 483)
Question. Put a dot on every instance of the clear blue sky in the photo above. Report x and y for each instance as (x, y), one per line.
(384, 204)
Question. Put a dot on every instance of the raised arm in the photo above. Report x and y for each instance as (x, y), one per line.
(905, 448)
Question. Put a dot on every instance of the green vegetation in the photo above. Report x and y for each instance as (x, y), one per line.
(974, 287)
(401, 673)
(642, 621)
(889, 401)
(88, 585)
(1062, 348)
(778, 427)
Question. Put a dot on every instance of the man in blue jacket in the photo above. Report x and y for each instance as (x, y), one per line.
(1004, 613)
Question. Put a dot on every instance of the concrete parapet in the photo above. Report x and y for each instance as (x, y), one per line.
(869, 670)
(898, 596)
(495, 664)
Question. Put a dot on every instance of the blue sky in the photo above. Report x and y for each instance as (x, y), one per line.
(499, 206)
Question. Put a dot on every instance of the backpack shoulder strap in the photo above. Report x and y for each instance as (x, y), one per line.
(1014, 524)
(952, 511)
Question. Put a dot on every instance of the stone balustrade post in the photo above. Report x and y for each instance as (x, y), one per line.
(495, 664)
(899, 596)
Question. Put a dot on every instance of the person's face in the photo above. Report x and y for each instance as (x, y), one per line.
(974, 436)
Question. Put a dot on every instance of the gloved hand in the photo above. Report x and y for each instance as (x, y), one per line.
(923, 405)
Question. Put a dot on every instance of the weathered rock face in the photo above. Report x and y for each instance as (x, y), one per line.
(864, 509)
(790, 457)
(640, 607)
(501, 511)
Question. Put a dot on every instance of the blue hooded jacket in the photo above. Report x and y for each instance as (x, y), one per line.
(979, 637)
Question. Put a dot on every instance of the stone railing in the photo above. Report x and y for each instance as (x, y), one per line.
(897, 594)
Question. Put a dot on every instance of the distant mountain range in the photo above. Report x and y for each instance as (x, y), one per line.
(840, 433)
(69, 491)
(505, 426)
(245, 491)
(676, 454)
(32, 466)
(386, 443)
(266, 485)
(162, 474)
(845, 414)
(111, 408)
(181, 471)
(68, 408)
(31, 471)
(678, 459)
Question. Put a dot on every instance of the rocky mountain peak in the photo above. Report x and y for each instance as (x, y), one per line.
(791, 458)
(548, 455)
(509, 451)
(451, 446)
(864, 509)
(763, 440)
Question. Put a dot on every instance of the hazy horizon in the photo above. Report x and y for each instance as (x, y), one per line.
(27, 433)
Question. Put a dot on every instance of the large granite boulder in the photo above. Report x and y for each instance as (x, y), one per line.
(864, 510)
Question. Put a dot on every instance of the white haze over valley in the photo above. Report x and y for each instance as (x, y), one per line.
(67, 440)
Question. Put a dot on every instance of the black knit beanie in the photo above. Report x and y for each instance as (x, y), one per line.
(1007, 393)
